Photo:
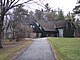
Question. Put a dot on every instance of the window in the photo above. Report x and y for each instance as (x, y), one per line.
(32, 26)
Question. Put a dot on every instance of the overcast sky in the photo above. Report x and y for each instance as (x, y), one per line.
(65, 5)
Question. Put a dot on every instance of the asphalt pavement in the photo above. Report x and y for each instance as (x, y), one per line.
(39, 50)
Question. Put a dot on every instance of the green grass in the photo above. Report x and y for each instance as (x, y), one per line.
(66, 48)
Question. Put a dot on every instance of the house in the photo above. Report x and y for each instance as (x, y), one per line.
(65, 28)
(59, 25)
(48, 28)
(44, 28)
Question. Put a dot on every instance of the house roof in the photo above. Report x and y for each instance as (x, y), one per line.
(60, 24)
(47, 25)
(51, 25)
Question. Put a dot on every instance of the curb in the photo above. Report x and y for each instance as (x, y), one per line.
(53, 51)
(17, 54)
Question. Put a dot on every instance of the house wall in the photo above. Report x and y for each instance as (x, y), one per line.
(60, 32)
(39, 34)
(32, 35)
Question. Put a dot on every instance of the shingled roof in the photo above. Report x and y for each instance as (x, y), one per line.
(47, 25)
(51, 25)
(60, 24)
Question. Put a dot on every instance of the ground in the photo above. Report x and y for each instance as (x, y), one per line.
(42, 49)
(12, 49)
(39, 50)
(66, 48)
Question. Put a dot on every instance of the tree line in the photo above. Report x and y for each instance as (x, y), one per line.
(17, 21)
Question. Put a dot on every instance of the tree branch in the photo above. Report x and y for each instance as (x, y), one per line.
(7, 3)
(11, 2)
(38, 4)
(4, 3)
(16, 2)
(19, 4)
(1, 4)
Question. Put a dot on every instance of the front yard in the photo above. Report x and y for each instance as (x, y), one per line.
(66, 48)
(13, 49)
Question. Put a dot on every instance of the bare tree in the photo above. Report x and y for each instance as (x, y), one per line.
(20, 16)
(6, 5)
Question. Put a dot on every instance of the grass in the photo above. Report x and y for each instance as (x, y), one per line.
(66, 48)
(12, 48)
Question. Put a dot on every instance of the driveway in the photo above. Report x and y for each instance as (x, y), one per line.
(39, 50)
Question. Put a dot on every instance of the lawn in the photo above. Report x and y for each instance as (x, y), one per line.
(12, 49)
(66, 48)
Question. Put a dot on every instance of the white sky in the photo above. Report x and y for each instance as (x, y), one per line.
(65, 5)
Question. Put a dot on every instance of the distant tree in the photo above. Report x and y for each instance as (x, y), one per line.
(6, 5)
(47, 7)
(38, 14)
(71, 19)
(20, 17)
(31, 16)
(76, 9)
(52, 15)
(19, 31)
(60, 15)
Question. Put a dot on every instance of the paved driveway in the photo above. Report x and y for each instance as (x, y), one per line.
(39, 50)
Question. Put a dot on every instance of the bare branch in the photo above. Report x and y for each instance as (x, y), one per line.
(4, 2)
(16, 2)
(7, 3)
(19, 4)
(11, 2)
(38, 4)
(1, 4)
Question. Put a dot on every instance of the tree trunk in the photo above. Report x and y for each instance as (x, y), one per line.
(17, 39)
(13, 34)
(1, 30)
(0, 39)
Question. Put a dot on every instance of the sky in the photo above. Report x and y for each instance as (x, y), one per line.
(65, 5)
